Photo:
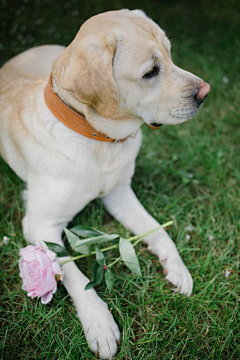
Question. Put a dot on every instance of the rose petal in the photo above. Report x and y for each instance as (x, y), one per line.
(38, 257)
(56, 268)
(47, 283)
(41, 245)
(46, 298)
(50, 254)
(45, 261)
(54, 289)
(28, 253)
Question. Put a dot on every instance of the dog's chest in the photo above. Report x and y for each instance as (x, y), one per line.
(113, 168)
(102, 167)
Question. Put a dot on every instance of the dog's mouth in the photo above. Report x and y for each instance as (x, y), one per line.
(154, 125)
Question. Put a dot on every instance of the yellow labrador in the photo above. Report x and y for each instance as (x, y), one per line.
(118, 73)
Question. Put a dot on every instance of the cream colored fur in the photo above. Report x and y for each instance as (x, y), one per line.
(99, 74)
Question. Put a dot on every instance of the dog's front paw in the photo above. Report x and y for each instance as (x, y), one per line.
(177, 274)
(100, 329)
(173, 267)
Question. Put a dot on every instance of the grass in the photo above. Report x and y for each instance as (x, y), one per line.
(189, 173)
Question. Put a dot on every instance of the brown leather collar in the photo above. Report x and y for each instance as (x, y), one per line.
(70, 117)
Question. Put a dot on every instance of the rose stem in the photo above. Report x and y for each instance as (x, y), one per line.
(136, 237)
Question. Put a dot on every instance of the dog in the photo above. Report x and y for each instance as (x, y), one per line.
(115, 76)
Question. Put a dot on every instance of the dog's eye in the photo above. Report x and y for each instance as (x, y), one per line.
(152, 73)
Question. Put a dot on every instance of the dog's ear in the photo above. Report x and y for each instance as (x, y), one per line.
(87, 73)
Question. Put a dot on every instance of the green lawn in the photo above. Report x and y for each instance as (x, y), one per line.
(189, 173)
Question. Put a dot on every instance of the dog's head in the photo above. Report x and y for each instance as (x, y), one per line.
(119, 64)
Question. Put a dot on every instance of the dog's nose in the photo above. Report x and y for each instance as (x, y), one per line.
(203, 90)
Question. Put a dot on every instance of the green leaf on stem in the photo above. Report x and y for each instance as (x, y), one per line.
(58, 249)
(129, 256)
(97, 276)
(85, 231)
(76, 243)
(100, 257)
(96, 240)
(109, 279)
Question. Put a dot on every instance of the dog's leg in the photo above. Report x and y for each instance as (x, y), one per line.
(123, 204)
(49, 208)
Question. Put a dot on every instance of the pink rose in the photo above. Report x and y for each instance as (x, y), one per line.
(39, 271)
